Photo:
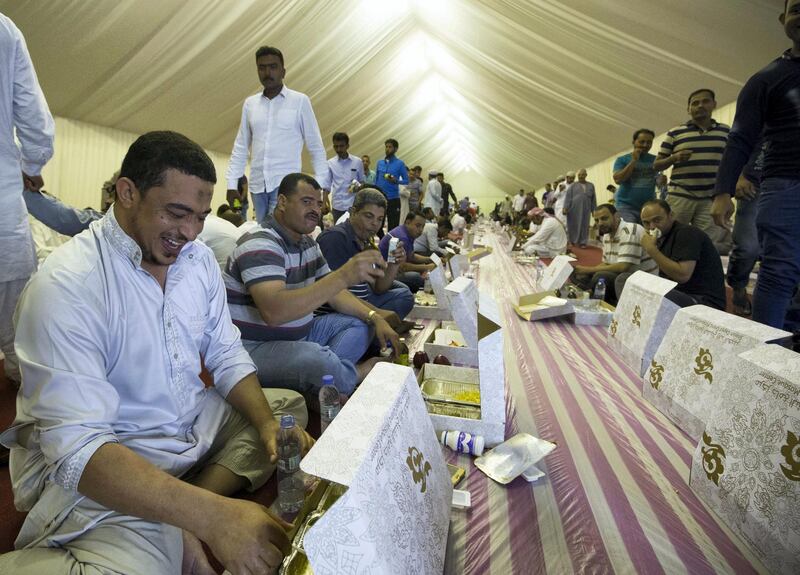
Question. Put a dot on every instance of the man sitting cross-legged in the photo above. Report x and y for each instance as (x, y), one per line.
(622, 253)
(277, 277)
(339, 244)
(119, 452)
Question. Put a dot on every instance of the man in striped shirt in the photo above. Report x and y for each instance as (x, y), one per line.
(694, 151)
(277, 277)
(622, 253)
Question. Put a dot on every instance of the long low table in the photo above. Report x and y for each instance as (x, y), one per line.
(616, 497)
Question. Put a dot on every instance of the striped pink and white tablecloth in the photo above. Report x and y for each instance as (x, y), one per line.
(616, 497)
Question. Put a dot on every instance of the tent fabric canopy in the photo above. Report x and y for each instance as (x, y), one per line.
(516, 91)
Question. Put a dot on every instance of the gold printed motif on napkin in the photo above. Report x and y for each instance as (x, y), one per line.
(656, 373)
(791, 454)
(713, 459)
(613, 328)
(420, 469)
(637, 316)
(705, 364)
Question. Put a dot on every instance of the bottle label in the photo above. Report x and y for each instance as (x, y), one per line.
(289, 464)
(465, 443)
(329, 411)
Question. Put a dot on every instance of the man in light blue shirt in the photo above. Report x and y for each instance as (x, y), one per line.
(123, 457)
(369, 175)
(389, 174)
(275, 124)
(343, 170)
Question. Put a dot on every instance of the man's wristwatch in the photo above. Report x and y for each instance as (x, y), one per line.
(371, 317)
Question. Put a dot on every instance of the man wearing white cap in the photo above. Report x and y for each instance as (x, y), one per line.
(560, 195)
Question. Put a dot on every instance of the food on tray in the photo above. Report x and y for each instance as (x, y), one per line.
(425, 299)
(454, 343)
(468, 397)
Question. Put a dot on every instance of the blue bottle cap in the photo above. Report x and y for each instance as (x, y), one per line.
(327, 380)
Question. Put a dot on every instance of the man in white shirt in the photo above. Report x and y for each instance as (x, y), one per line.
(343, 170)
(459, 222)
(518, 204)
(275, 124)
(550, 238)
(622, 253)
(120, 453)
(24, 109)
(433, 194)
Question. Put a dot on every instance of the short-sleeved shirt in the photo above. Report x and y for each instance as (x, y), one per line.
(625, 246)
(269, 254)
(641, 186)
(339, 244)
(689, 243)
(399, 232)
(694, 179)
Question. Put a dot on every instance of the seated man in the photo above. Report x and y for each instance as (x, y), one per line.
(391, 299)
(685, 254)
(415, 265)
(550, 237)
(122, 455)
(277, 277)
(459, 223)
(622, 253)
(434, 235)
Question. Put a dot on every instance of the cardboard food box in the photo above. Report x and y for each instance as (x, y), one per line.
(601, 313)
(641, 319)
(395, 515)
(692, 365)
(746, 466)
(531, 307)
(458, 264)
(441, 310)
(463, 295)
(477, 253)
(490, 374)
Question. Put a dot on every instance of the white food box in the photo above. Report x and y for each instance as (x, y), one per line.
(441, 310)
(641, 319)
(602, 314)
(529, 306)
(463, 295)
(382, 446)
(487, 334)
(458, 264)
(693, 364)
(746, 466)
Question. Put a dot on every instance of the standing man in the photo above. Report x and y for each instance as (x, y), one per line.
(415, 189)
(580, 203)
(389, 174)
(24, 110)
(559, 196)
(275, 124)
(433, 194)
(345, 172)
(518, 204)
(768, 108)
(635, 176)
(694, 151)
(369, 175)
(447, 193)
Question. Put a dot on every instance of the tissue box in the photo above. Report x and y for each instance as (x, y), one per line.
(383, 447)
(746, 467)
(554, 277)
(693, 364)
(641, 319)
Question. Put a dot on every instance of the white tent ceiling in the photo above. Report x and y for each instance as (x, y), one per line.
(514, 90)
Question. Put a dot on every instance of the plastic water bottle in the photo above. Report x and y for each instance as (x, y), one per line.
(291, 490)
(329, 402)
(600, 290)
